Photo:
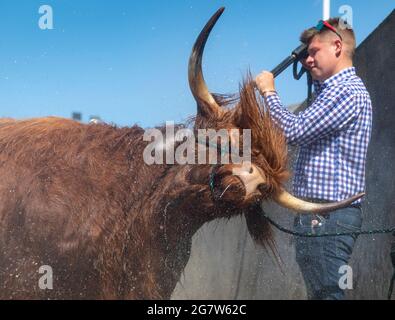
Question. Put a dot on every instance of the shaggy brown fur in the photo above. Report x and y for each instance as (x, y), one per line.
(80, 199)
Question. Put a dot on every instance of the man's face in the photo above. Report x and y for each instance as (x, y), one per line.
(323, 57)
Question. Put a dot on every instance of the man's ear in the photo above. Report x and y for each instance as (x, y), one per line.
(338, 47)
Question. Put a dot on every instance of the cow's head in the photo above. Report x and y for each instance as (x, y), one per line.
(244, 184)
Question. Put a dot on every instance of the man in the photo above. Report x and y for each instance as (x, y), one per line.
(333, 134)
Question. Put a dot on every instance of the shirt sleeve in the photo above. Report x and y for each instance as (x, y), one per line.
(331, 111)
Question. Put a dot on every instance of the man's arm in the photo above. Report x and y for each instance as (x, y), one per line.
(331, 112)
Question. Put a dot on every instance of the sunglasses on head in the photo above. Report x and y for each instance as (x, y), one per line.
(323, 24)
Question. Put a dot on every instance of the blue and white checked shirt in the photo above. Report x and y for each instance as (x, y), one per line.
(333, 134)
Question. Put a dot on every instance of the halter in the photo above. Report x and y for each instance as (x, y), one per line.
(212, 177)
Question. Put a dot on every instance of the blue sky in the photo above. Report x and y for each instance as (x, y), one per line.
(126, 61)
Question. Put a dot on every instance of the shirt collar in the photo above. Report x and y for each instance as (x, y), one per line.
(335, 79)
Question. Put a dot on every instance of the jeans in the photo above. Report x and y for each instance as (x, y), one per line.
(320, 259)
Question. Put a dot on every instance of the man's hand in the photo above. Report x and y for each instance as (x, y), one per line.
(265, 83)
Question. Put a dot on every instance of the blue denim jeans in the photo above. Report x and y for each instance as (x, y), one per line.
(321, 258)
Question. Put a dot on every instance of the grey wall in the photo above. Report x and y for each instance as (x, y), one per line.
(375, 62)
(225, 263)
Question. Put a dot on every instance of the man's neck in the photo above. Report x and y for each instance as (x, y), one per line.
(340, 67)
(344, 65)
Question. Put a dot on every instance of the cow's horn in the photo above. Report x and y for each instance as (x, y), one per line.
(207, 106)
(288, 201)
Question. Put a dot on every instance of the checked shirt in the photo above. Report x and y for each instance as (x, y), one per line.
(333, 134)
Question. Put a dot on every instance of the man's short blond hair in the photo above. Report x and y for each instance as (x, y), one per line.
(341, 27)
